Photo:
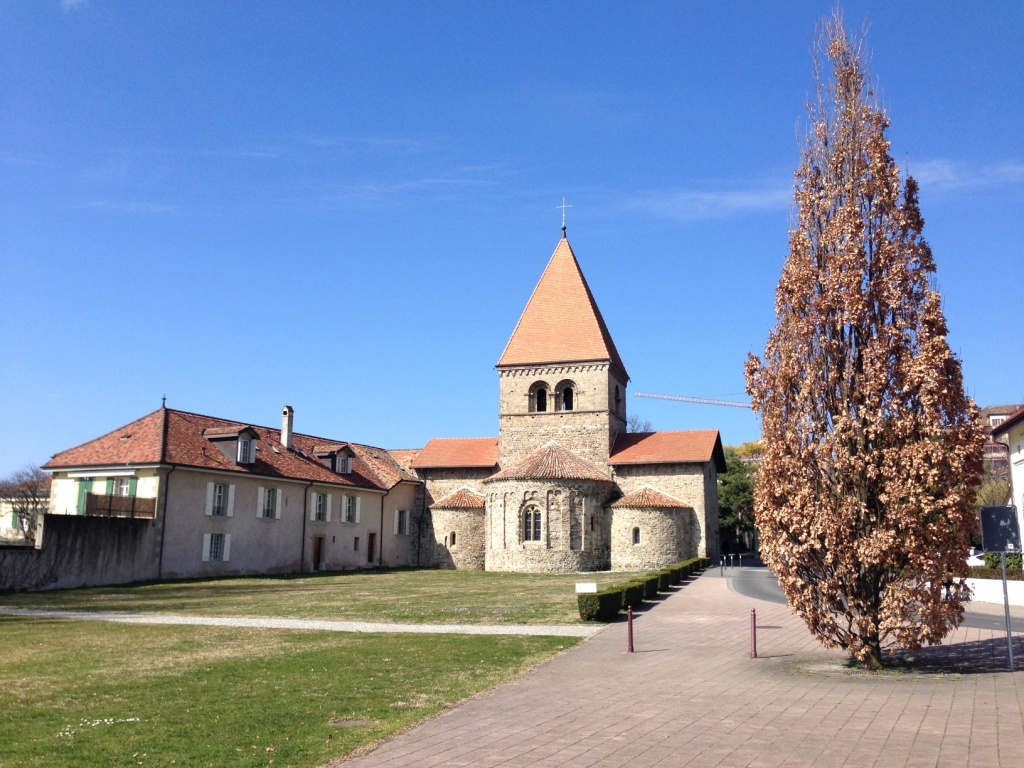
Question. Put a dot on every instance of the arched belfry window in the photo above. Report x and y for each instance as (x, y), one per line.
(539, 397)
(565, 396)
(531, 524)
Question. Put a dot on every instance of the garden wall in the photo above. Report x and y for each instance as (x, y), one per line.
(75, 551)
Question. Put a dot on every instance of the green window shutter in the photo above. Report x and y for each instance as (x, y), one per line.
(110, 486)
(133, 483)
(83, 489)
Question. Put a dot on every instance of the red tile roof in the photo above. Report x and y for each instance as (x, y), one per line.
(551, 462)
(669, 448)
(458, 452)
(177, 437)
(463, 498)
(1011, 421)
(649, 498)
(405, 456)
(561, 322)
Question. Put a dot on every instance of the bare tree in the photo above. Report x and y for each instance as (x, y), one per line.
(635, 424)
(27, 494)
(865, 491)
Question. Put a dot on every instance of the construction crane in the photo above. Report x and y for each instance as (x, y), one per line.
(701, 400)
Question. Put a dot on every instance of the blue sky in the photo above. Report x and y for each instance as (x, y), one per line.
(345, 206)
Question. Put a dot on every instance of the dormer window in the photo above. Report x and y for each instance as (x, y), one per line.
(246, 454)
(344, 465)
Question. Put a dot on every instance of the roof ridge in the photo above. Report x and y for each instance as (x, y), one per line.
(107, 434)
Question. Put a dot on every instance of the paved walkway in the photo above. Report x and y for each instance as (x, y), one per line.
(557, 630)
(690, 696)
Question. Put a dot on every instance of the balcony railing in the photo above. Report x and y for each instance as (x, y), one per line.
(101, 505)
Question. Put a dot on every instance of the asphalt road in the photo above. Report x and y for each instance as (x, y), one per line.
(760, 584)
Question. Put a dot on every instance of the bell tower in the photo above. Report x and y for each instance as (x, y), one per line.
(560, 376)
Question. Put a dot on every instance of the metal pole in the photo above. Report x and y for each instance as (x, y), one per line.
(629, 629)
(1006, 609)
(753, 633)
(721, 564)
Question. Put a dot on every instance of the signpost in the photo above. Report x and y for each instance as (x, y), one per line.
(1000, 533)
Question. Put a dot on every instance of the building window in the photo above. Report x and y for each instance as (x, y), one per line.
(453, 538)
(401, 522)
(216, 547)
(351, 504)
(355, 544)
(539, 397)
(997, 420)
(636, 535)
(531, 525)
(320, 508)
(565, 396)
(123, 486)
(592, 523)
(244, 451)
(220, 506)
(270, 503)
(344, 465)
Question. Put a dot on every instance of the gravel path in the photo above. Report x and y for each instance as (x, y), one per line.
(556, 630)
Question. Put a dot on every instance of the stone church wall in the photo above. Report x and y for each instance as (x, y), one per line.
(693, 484)
(666, 537)
(569, 541)
(467, 554)
(587, 431)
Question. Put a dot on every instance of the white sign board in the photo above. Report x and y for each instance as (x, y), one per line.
(583, 587)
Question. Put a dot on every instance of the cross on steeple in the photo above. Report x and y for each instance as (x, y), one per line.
(563, 206)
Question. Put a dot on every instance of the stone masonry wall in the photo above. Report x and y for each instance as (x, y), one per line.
(587, 431)
(574, 530)
(689, 484)
(438, 483)
(467, 554)
(666, 537)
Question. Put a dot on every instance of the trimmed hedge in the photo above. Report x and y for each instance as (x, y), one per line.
(633, 594)
(606, 604)
(601, 606)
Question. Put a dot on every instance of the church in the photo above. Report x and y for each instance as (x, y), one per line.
(563, 488)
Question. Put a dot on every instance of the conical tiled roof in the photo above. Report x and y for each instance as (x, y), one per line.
(463, 498)
(649, 498)
(561, 322)
(551, 462)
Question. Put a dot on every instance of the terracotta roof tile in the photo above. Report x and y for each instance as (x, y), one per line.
(649, 498)
(669, 448)
(405, 457)
(177, 437)
(561, 322)
(463, 498)
(136, 443)
(458, 452)
(551, 462)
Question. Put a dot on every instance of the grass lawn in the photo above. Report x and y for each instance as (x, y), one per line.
(423, 596)
(82, 693)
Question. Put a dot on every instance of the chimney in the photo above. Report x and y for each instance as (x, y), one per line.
(287, 420)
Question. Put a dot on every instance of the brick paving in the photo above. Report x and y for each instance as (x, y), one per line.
(690, 696)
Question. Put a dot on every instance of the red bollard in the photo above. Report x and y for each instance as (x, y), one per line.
(753, 633)
(629, 628)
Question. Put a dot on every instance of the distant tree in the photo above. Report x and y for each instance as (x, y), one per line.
(992, 491)
(636, 424)
(736, 495)
(27, 492)
(751, 450)
(865, 493)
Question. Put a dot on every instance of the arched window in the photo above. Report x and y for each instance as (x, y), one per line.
(453, 538)
(636, 535)
(565, 396)
(539, 397)
(531, 525)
